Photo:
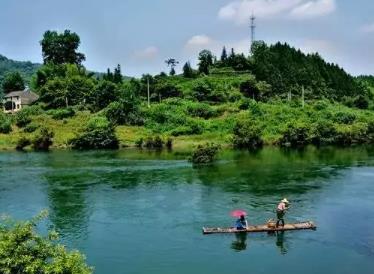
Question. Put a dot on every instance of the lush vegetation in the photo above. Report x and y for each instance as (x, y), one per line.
(205, 154)
(24, 251)
(277, 95)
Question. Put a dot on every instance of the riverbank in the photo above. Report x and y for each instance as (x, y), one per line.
(244, 124)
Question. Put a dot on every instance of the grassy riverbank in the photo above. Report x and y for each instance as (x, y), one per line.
(170, 119)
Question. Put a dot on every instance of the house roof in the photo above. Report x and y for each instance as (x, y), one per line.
(27, 97)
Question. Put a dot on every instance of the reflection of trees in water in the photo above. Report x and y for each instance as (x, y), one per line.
(281, 171)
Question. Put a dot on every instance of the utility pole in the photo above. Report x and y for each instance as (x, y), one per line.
(149, 100)
(302, 97)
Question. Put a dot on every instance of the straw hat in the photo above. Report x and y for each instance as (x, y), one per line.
(285, 201)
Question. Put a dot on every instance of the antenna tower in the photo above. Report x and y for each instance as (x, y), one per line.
(253, 28)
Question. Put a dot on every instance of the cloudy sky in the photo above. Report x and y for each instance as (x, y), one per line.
(141, 34)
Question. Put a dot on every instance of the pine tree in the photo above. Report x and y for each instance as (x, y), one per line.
(117, 77)
(224, 55)
(187, 70)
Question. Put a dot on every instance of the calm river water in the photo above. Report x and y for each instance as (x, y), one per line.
(142, 212)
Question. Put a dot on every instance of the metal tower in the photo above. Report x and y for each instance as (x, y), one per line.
(253, 28)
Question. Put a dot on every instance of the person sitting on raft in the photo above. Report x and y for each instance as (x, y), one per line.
(241, 223)
(281, 211)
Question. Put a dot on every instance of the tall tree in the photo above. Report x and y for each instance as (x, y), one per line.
(117, 76)
(205, 61)
(187, 70)
(61, 48)
(172, 63)
(13, 81)
(224, 55)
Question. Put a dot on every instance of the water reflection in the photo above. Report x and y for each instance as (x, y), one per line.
(280, 242)
(240, 243)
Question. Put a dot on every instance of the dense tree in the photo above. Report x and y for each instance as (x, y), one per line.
(187, 70)
(61, 48)
(104, 93)
(13, 81)
(205, 61)
(224, 55)
(172, 63)
(117, 76)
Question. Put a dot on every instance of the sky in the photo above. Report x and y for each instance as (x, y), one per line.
(141, 34)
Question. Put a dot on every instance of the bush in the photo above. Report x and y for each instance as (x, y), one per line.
(5, 124)
(205, 154)
(30, 128)
(351, 134)
(295, 134)
(23, 251)
(247, 135)
(23, 118)
(324, 132)
(201, 110)
(43, 140)
(99, 134)
(191, 127)
(346, 118)
(154, 142)
(361, 102)
(123, 113)
(60, 114)
(22, 143)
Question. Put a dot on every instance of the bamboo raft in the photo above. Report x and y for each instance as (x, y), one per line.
(261, 228)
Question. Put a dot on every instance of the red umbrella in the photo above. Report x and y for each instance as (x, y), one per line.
(238, 213)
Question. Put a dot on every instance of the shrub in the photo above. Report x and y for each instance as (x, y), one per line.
(169, 143)
(351, 134)
(23, 118)
(99, 134)
(123, 113)
(5, 124)
(247, 135)
(346, 118)
(361, 102)
(191, 127)
(139, 142)
(31, 128)
(22, 143)
(154, 142)
(295, 134)
(60, 114)
(22, 250)
(43, 140)
(201, 110)
(204, 154)
(324, 132)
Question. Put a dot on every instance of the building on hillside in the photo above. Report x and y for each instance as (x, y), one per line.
(17, 100)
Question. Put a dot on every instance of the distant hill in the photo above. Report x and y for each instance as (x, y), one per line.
(27, 69)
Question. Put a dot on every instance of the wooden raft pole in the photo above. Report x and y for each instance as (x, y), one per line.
(261, 228)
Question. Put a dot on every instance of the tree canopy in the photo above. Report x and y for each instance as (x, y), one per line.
(13, 81)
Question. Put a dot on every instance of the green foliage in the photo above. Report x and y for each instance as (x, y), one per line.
(22, 143)
(344, 118)
(13, 81)
(24, 251)
(205, 154)
(99, 134)
(60, 114)
(5, 124)
(125, 112)
(247, 135)
(23, 118)
(61, 48)
(296, 134)
(43, 139)
(206, 58)
(105, 93)
(32, 127)
(187, 70)
(286, 68)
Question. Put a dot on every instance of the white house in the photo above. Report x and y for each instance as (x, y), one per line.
(16, 100)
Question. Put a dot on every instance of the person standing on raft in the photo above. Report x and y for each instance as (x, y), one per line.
(283, 206)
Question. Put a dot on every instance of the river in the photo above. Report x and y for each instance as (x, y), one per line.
(142, 212)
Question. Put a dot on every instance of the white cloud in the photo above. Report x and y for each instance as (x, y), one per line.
(313, 9)
(240, 11)
(147, 53)
(367, 28)
(199, 41)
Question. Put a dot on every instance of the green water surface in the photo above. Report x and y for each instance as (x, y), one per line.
(142, 212)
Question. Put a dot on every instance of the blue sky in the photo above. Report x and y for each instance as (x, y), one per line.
(141, 34)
